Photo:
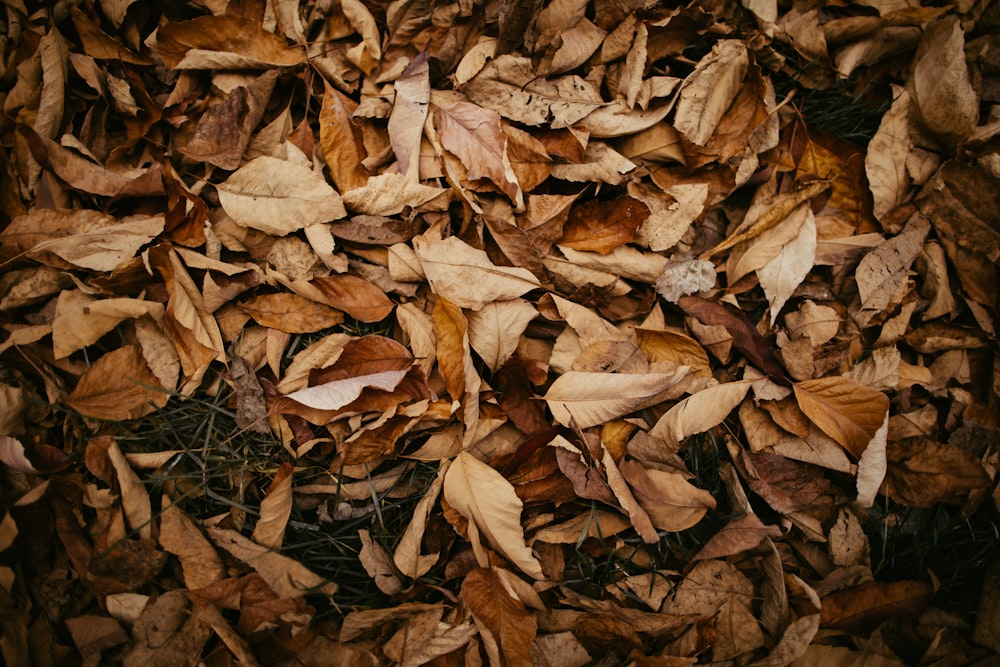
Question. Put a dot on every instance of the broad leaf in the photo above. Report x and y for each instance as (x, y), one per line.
(848, 412)
(589, 399)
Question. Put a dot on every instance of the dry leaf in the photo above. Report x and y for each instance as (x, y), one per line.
(119, 386)
(409, 110)
(454, 357)
(923, 473)
(195, 44)
(708, 91)
(603, 226)
(474, 135)
(291, 313)
(943, 94)
(700, 412)
(391, 193)
(278, 197)
(589, 399)
(673, 503)
(848, 412)
(339, 393)
(861, 609)
(378, 565)
(881, 272)
(179, 535)
(495, 329)
(466, 276)
(483, 496)
(508, 629)
(341, 141)
(275, 509)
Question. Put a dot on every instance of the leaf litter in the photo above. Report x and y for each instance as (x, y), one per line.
(522, 333)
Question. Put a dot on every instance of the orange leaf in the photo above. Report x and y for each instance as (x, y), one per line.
(355, 296)
(117, 387)
(509, 628)
(848, 412)
(275, 509)
(291, 313)
(603, 226)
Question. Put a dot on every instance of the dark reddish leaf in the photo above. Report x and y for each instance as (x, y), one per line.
(603, 226)
(861, 609)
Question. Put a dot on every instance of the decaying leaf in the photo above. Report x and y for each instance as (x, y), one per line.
(848, 412)
(588, 399)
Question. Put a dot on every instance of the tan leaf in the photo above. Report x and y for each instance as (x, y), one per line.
(81, 320)
(495, 330)
(275, 509)
(600, 163)
(674, 347)
(637, 514)
(363, 21)
(881, 272)
(507, 628)
(466, 276)
(278, 197)
(78, 237)
(474, 135)
(589, 399)
(286, 576)
(671, 213)
(756, 254)
(578, 44)
(672, 503)
(290, 313)
(785, 272)
(167, 634)
(483, 496)
(885, 161)
(391, 193)
(708, 91)
(338, 393)
(510, 86)
(943, 94)
(378, 564)
(195, 44)
(735, 537)
(135, 501)
(407, 556)
(700, 412)
(119, 386)
(179, 535)
(848, 412)
(409, 110)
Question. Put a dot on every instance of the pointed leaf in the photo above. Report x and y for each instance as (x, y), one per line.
(117, 387)
(846, 411)
(338, 393)
(474, 135)
(502, 615)
(589, 399)
(495, 329)
(673, 503)
(700, 412)
(275, 509)
(482, 495)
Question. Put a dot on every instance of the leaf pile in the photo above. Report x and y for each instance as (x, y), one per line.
(586, 344)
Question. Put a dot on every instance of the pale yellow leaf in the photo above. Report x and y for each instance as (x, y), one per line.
(483, 496)
(700, 412)
(338, 393)
(495, 330)
(278, 197)
(780, 277)
(589, 399)
(758, 252)
(872, 466)
(408, 556)
(287, 577)
(671, 213)
(708, 91)
(601, 163)
(391, 193)
(466, 276)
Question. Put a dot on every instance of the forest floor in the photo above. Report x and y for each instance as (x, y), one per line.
(576, 332)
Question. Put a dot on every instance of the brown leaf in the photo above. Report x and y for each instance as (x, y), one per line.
(848, 412)
(275, 509)
(291, 313)
(167, 634)
(378, 564)
(923, 473)
(81, 320)
(700, 412)
(944, 95)
(673, 503)
(589, 399)
(102, 46)
(179, 536)
(355, 296)
(603, 226)
(509, 628)
(341, 141)
(708, 91)
(861, 609)
(117, 387)
(789, 486)
(735, 537)
(223, 42)
(746, 338)
(474, 135)
(406, 122)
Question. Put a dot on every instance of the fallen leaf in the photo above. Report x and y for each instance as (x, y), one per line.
(291, 313)
(475, 136)
(495, 329)
(179, 536)
(708, 91)
(287, 577)
(881, 272)
(466, 276)
(848, 412)
(508, 629)
(391, 193)
(378, 564)
(885, 161)
(357, 297)
(673, 503)
(275, 509)
(167, 634)
(195, 44)
(119, 386)
(944, 96)
(737, 536)
(339, 393)
(454, 356)
(923, 473)
(341, 141)
(700, 412)
(603, 226)
(409, 110)
(482, 495)
(589, 399)
(278, 197)
(861, 609)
